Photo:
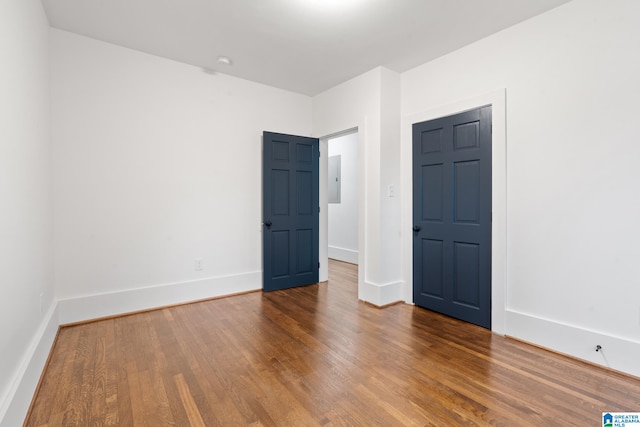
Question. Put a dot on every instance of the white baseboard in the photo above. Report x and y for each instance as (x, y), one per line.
(617, 353)
(342, 254)
(381, 295)
(15, 403)
(131, 300)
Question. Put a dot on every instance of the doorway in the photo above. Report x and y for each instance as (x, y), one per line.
(342, 198)
(355, 133)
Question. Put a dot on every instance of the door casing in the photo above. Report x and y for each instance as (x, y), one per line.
(497, 100)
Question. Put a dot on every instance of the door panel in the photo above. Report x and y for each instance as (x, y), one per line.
(452, 215)
(432, 274)
(432, 180)
(290, 210)
(466, 281)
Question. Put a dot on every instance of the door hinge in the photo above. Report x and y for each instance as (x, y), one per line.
(318, 208)
(318, 265)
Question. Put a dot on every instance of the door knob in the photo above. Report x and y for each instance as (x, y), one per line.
(417, 228)
(267, 223)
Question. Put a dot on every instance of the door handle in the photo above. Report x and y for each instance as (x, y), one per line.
(417, 228)
(267, 223)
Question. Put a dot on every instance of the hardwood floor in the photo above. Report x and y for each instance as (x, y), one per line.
(313, 356)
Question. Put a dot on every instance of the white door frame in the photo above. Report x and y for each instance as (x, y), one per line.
(324, 204)
(497, 100)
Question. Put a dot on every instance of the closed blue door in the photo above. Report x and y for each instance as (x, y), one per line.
(290, 210)
(452, 215)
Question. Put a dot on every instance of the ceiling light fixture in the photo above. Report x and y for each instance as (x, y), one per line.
(224, 60)
(333, 4)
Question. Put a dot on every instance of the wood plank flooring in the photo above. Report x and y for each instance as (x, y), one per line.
(313, 356)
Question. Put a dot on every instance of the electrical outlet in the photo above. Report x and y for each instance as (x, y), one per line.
(197, 264)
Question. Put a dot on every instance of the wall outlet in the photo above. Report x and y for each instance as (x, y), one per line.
(198, 264)
(391, 190)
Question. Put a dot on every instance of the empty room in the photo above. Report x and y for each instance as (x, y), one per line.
(169, 180)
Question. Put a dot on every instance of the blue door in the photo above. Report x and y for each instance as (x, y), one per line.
(452, 215)
(290, 210)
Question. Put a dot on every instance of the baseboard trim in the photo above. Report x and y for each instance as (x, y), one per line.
(343, 254)
(132, 313)
(383, 306)
(381, 295)
(44, 369)
(617, 353)
(575, 359)
(17, 401)
(81, 309)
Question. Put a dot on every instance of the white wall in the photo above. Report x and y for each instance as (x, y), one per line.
(25, 192)
(389, 189)
(571, 79)
(343, 216)
(366, 103)
(156, 163)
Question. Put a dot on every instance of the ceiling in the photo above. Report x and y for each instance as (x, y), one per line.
(305, 46)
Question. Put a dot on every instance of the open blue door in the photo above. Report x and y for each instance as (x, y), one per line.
(290, 216)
